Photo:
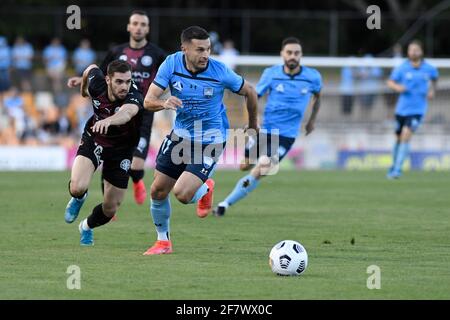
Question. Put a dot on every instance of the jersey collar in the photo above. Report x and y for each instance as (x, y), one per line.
(414, 67)
(193, 73)
(292, 76)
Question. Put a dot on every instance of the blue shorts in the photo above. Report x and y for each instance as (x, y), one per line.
(177, 155)
(413, 122)
(4, 80)
(262, 145)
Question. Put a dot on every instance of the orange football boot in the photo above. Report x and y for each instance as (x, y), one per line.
(160, 247)
(139, 192)
(204, 205)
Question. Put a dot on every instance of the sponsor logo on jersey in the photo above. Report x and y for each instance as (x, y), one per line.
(137, 75)
(304, 91)
(279, 88)
(146, 61)
(142, 144)
(123, 57)
(178, 86)
(96, 103)
(208, 92)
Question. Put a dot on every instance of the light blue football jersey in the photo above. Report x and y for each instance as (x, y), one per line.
(416, 81)
(203, 115)
(289, 95)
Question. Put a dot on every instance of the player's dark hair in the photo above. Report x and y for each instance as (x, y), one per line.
(139, 12)
(118, 66)
(289, 40)
(194, 32)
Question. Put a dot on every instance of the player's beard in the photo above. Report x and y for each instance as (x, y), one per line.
(117, 95)
(201, 65)
(416, 59)
(292, 64)
(138, 39)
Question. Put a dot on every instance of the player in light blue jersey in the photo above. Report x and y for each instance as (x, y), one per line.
(187, 157)
(291, 88)
(415, 80)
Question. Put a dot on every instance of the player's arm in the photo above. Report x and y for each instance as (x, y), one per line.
(153, 102)
(315, 104)
(397, 87)
(73, 82)
(432, 89)
(125, 113)
(394, 80)
(85, 81)
(251, 96)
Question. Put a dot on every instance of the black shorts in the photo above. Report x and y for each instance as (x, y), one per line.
(262, 145)
(116, 162)
(145, 131)
(413, 122)
(177, 155)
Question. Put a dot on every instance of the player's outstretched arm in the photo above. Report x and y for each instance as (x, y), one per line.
(85, 81)
(73, 82)
(315, 103)
(153, 102)
(395, 86)
(125, 113)
(249, 92)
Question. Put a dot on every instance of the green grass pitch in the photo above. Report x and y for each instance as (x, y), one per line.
(401, 226)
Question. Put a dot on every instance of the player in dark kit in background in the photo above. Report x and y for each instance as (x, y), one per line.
(145, 59)
(110, 137)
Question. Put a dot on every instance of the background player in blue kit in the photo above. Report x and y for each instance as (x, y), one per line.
(292, 87)
(188, 155)
(412, 80)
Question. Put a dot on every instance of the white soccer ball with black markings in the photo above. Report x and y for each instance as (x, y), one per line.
(288, 258)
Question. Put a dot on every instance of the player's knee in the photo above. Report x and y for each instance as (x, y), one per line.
(77, 188)
(264, 166)
(265, 163)
(110, 208)
(184, 196)
(158, 193)
(405, 137)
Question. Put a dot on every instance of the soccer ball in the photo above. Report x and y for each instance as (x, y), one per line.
(288, 258)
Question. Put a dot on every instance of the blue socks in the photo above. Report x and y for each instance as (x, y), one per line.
(200, 193)
(394, 153)
(160, 210)
(242, 189)
(402, 153)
